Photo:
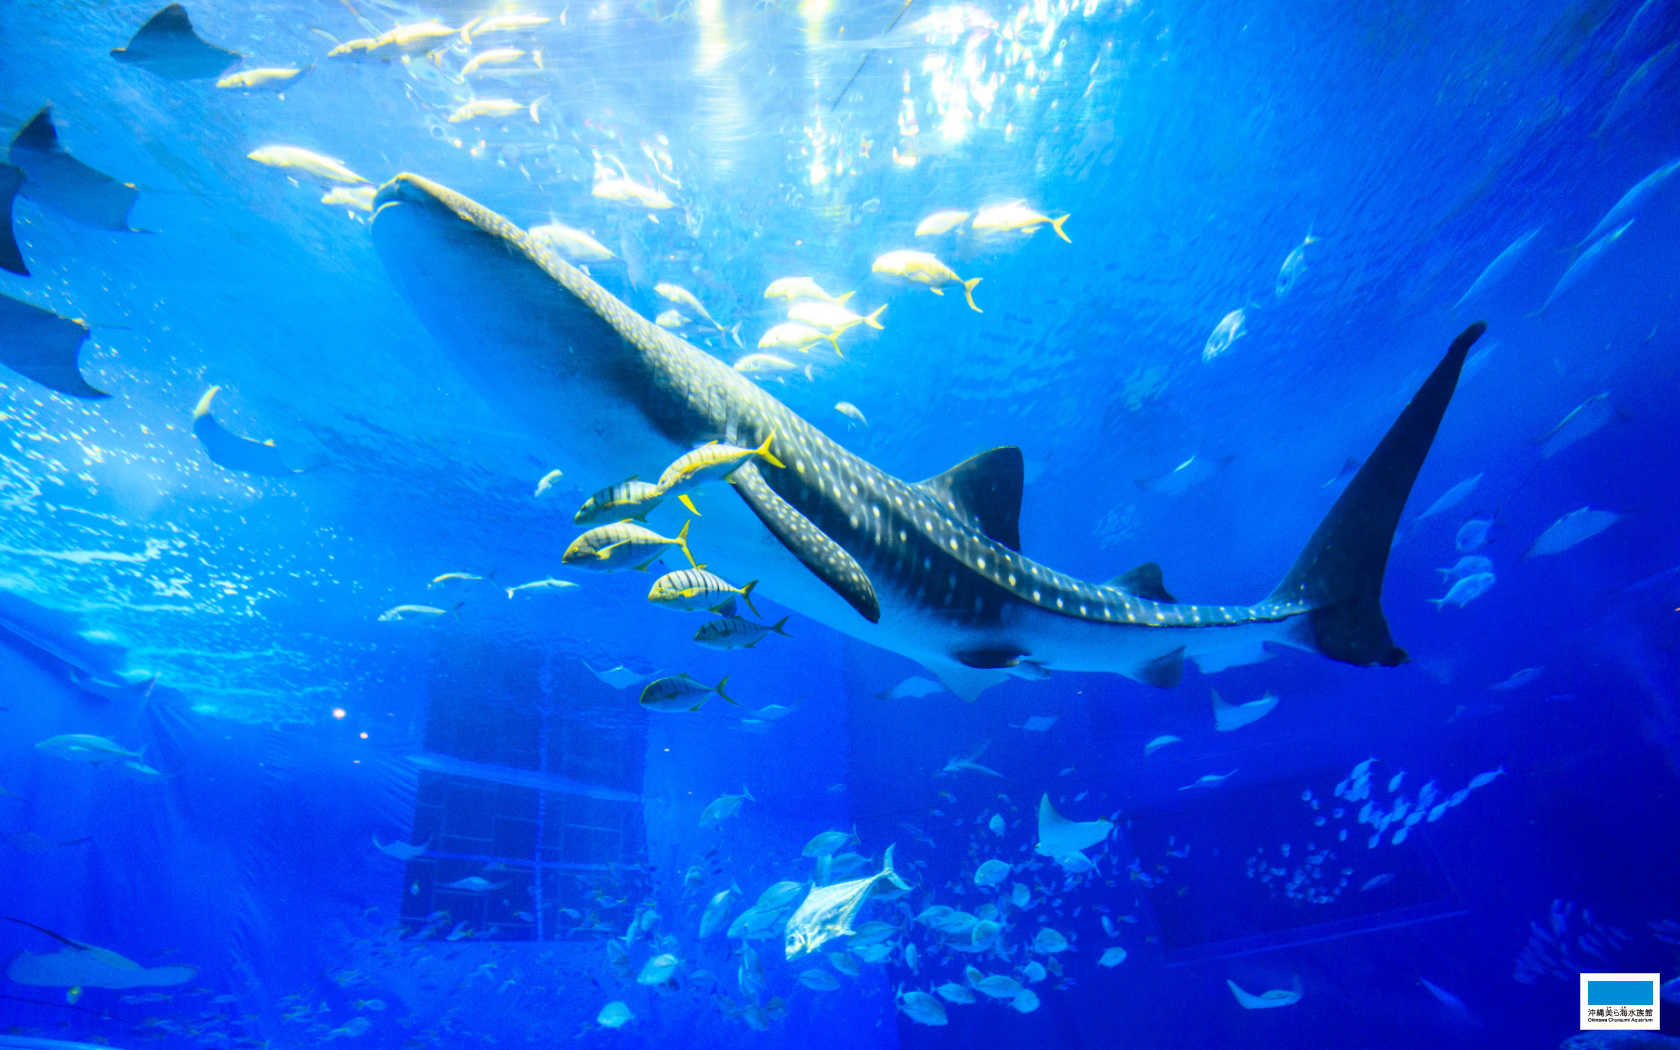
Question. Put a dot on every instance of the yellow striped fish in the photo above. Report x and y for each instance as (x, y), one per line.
(694, 590)
(710, 462)
(735, 632)
(627, 500)
(680, 693)
(621, 545)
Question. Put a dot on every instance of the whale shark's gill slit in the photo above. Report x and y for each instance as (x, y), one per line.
(811, 545)
(1340, 572)
(985, 491)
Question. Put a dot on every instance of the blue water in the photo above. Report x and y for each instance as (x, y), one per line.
(1195, 147)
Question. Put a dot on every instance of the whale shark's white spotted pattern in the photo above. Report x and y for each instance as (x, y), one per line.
(933, 566)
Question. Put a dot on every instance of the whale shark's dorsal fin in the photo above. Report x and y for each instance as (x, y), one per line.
(810, 544)
(986, 490)
(1144, 581)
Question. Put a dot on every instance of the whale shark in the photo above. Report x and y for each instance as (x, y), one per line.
(932, 570)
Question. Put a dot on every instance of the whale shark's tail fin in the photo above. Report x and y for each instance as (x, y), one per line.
(1340, 572)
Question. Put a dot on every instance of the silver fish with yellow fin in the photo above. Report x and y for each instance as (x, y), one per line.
(621, 545)
(713, 461)
(680, 693)
(629, 499)
(828, 911)
(696, 590)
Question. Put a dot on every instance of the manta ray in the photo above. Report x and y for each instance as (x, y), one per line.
(932, 570)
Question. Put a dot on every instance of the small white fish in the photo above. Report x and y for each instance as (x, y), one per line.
(1228, 331)
(547, 483)
(1112, 957)
(921, 1007)
(1575, 527)
(1015, 216)
(1466, 590)
(1518, 679)
(1394, 781)
(1228, 717)
(571, 243)
(1209, 780)
(1159, 742)
(503, 24)
(358, 197)
(247, 79)
(1496, 270)
(832, 317)
(544, 586)
(1586, 262)
(486, 107)
(1294, 265)
(1048, 942)
(996, 824)
(941, 222)
(500, 56)
(1469, 565)
(791, 335)
(1587, 418)
(614, 1015)
(299, 160)
(658, 969)
(399, 613)
(1484, 779)
(850, 411)
(625, 190)
(1026, 1001)
(1473, 535)
(819, 980)
(955, 993)
(723, 807)
(1630, 201)
(925, 269)
(1452, 497)
(792, 288)
(676, 293)
(85, 747)
(670, 319)
(992, 873)
(765, 364)
(1267, 1000)
(1447, 998)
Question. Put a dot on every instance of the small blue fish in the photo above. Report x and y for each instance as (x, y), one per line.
(1473, 535)
(1502, 264)
(1294, 266)
(1466, 590)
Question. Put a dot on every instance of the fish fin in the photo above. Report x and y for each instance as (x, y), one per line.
(966, 682)
(1056, 224)
(454, 611)
(936, 291)
(843, 298)
(968, 292)
(1339, 574)
(778, 625)
(889, 874)
(746, 596)
(78, 945)
(692, 509)
(682, 541)
(763, 452)
(718, 689)
(748, 795)
(1163, 672)
(986, 490)
(1145, 582)
(11, 257)
(874, 319)
(834, 341)
(815, 549)
(990, 659)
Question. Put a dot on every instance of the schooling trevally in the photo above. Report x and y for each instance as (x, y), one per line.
(932, 570)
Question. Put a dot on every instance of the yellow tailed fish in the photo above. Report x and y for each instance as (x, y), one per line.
(710, 462)
(696, 590)
(622, 545)
(924, 268)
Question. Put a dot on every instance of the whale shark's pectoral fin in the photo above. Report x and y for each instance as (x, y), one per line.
(1163, 672)
(1144, 581)
(811, 545)
(999, 659)
(985, 491)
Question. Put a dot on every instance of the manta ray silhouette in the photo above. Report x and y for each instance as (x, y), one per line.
(44, 346)
(229, 450)
(167, 46)
(61, 182)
